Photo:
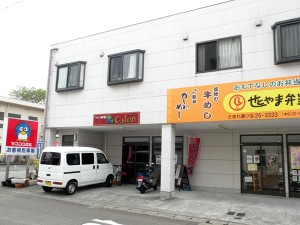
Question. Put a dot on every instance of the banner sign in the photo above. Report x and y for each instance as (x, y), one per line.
(130, 118)
(20, 136)
(193, 149)
(257, 99)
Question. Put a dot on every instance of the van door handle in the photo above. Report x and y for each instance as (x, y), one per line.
(97, 166)
(93, 166)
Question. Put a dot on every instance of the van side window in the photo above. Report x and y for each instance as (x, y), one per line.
(73, 159)
(101, 158)
(87, 158)
(50, 158)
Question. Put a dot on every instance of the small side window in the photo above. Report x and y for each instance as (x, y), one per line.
(101, 158)
(87, 158)
(34, 118)
(73, 159)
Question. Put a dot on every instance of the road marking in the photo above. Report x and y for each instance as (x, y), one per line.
(102, 222)
(110, 222)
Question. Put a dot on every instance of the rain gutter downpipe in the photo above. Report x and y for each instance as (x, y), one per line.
(47, 95)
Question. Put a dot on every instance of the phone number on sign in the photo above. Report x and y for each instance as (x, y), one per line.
(265, 115)
(276, 114)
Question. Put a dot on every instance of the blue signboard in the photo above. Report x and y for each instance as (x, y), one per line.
(39, 148)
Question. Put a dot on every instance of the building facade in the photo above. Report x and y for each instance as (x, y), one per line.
(20, 110)
(227, 74)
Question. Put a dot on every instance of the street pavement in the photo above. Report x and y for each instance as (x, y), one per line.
(195, 207)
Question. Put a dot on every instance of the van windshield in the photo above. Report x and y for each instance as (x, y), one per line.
(50, 158)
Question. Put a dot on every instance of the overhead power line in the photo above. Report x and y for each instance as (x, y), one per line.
(11, 5)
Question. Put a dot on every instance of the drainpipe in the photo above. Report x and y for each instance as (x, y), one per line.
(47, 94)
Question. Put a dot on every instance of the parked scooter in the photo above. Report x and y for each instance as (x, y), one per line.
(147, 179)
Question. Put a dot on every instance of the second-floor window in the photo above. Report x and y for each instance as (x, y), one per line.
(219, 54)
(287, 41)
(126, 67)
(70, 76)
(13, 115)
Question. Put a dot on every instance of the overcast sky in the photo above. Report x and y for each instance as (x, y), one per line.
(28, 28)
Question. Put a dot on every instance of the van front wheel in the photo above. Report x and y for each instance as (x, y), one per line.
(47, 189)
(70, 188)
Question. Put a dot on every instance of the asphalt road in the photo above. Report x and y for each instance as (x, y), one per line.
(22, 209)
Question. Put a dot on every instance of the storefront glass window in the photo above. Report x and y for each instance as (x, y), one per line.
(156, 150)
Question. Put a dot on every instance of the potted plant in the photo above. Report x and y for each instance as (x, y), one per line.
(34, 163)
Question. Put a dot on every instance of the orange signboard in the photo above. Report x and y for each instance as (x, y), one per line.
(256, 99)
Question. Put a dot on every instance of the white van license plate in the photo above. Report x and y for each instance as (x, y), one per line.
(48, 183)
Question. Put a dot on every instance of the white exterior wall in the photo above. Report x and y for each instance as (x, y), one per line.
(169, 62)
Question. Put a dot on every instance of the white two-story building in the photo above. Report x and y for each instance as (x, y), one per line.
(228, 74)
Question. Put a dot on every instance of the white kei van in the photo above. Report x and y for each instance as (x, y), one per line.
(71, 167)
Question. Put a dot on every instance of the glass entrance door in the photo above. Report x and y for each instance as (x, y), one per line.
(293, 142)
(135, 156)
(262, 165)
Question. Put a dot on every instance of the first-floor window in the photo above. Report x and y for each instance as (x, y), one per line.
(287, 41)
(126, 67)
(70, 76)
(219, 54)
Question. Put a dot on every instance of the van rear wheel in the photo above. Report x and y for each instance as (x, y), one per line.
(109, 181)
(70, 188)
(47, 189)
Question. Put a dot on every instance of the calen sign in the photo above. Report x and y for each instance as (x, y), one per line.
(20, 137)
(129, 118)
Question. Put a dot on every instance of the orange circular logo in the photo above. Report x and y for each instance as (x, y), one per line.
(237, 102)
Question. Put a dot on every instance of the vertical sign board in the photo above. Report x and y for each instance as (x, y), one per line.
(20, 137)
(39, 148)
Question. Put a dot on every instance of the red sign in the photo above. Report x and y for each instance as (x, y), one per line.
(193, 149)
(21, 137)
(130, 118)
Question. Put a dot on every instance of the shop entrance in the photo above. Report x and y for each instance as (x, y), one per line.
(262, 164)
(136, 151)
(293, 146)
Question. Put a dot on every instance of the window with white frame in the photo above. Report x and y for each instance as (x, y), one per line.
(126, 67)
(287, 41)
(70, 76)
(219, 54)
